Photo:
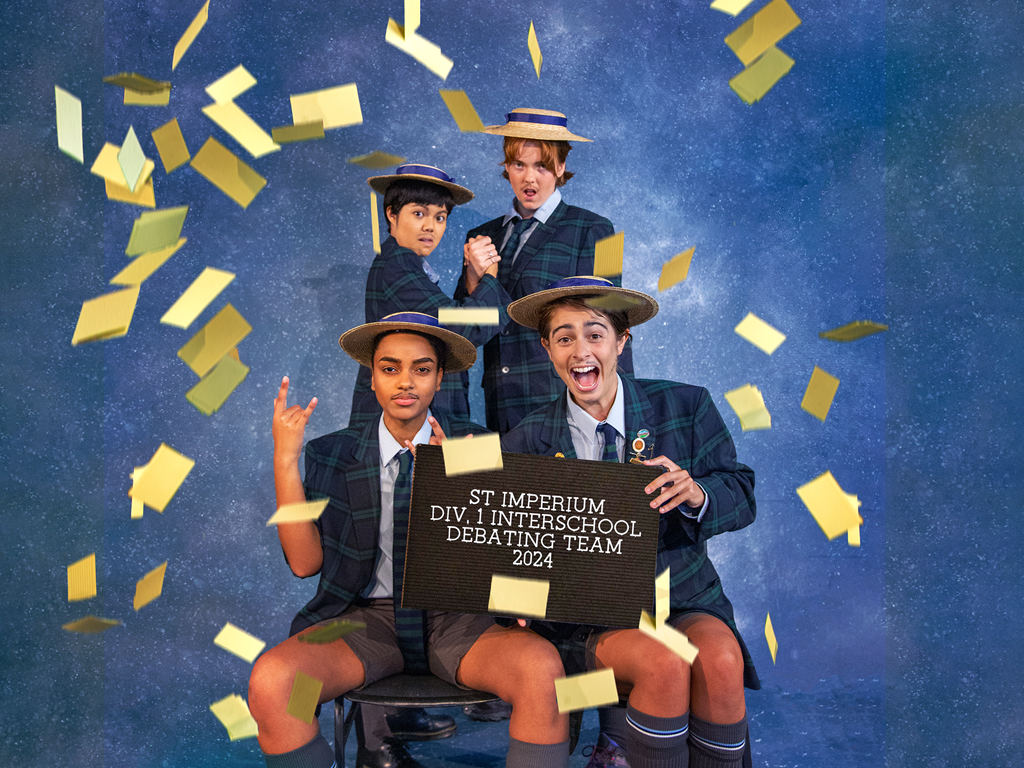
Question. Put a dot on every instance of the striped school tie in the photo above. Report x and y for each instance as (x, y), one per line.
(410, 625)
(508, 252)
(610, 452)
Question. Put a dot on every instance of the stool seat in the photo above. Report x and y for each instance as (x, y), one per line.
(404, 690)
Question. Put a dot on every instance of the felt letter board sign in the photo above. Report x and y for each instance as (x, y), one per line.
(583, 526)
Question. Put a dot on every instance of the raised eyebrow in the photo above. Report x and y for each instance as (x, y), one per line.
(567, 326)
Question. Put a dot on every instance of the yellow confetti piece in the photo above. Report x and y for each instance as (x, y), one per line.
(334, 107)
(763, 30)
(145, 196)
(290, 134)
(425, 52)
(748, 404)
(149, 587)
(328, 633)
(145, 265)
(239, 642)
(732, 7)
(154, 99)
(760, 77)
(669, 636)
(106, 317)
(171, 145)
(69, 124)
(858, 329)
(82, 579)
(107, 167)
(299, 512)
(137, 82)
(374, 222)
(138, 508)
(591, 689)
(164, 474)
(462, 111)
(190, 34)
(214, 340)
(412, 16)
(463, 455)
(769, 635)
(226, 171)
(853, 536)
(612, 302)
(818, 396)
(231, 86)
(241, 128)
(535, 55)
(675, 269)
(234, 715)
(197, 297)
(468, 316)
(156, 229)
(304, 697)
(91, 625)
(216, 387)
(830, 506)
(759, 333)
(608, 255)
(376, 160)
(662, 593)
(511, 596)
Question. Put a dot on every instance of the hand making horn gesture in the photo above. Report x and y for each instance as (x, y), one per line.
(435, 439)
(289, 426)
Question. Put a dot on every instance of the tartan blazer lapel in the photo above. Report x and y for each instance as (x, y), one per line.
(639, 414)
(363, 481)
(554, 435)
(537, 240)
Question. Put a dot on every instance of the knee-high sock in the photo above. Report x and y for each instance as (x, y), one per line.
(522, 754)
(714, 745)
(313, 754)
(613, 724)
(656, 742)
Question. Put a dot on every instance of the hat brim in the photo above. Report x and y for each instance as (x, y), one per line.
(639, 307)
(380, 184)
(358, 343)
(537, 131)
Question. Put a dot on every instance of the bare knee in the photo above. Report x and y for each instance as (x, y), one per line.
(270, 684)
(720, 665)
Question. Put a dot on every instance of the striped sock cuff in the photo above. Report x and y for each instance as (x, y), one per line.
(657, 733)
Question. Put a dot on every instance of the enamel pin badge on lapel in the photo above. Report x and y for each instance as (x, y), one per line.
(643, 449)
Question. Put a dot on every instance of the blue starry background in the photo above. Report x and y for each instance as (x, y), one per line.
(878, 180)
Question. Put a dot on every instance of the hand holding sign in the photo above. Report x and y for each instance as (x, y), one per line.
(681, 487)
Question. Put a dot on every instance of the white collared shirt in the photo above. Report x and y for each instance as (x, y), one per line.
(589, 443)
(541, 215)
(382, 584)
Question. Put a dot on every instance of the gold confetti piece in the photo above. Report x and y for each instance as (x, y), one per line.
(300, 511)
(131, 158)
(216, 387)
(164, 474)
(858, 329)
(468, 316)
(234, 715)
(762, 30)
(518, 597)
(154, 99)
(145, 265)
(69, 124)
(425, 52)
(213, 340)
(91, 625)
(226, 171)
(463, 455)
(144, 197)
(289, 134)
(149, 587)
(137, 506)
(830, 506)
(748, 404)
(241, 128)
(732, 7)
(106, 317)
(137, 82)
(769, 635)
(304, 697)
(171, 145)
(239, 642)
(377, 160)
(669, 636)
(374, 222)
(462, 111)
(676, 269)
(608, 255)
(534, 46)
(821, 389)
(107, 167)
(759, 333)
(190, 34)
(853, 536)
(591, 689)
(334, 107)
(328, 633)
(612, 302)
(662, 591)
(156, 229)
(412, 16)
(197, 297)
(231, 86)
(756, 80)
(82, 579)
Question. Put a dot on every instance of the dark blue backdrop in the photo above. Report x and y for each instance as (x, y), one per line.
(879, 179)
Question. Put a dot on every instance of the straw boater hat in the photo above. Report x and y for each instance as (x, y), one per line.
(428, 173)
(639, 307)
(540, 124)
(358, 342)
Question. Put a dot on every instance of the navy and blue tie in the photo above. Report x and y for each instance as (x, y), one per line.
(610, 452)
(508, 251)
(410, 625)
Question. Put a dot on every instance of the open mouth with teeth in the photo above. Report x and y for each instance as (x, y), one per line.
(585, 377)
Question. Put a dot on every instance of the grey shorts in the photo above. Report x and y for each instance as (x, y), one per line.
(449, 638)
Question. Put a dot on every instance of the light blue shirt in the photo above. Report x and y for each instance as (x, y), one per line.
(541, 215)
(382, 584)
(431, 274)
(589, 443)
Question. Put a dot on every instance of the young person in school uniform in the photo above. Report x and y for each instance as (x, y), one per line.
(417, 202)
(677, 715)
(539, 239)
(357, 547)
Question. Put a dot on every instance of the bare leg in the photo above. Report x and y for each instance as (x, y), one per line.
(658, 681)
(716, 687)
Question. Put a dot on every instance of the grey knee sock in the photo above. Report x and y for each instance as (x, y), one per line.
(714, 745)
(313, 754)
(523, 754)
(656, 742)
(613, 724)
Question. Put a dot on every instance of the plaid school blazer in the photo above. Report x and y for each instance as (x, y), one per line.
(345, 467)
(518, 377)
(397, 283)
(685, 426)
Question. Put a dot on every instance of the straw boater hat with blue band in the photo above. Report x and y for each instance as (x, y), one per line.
(540, 124)
(639, 307)
(359, 342)
(428, 173)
